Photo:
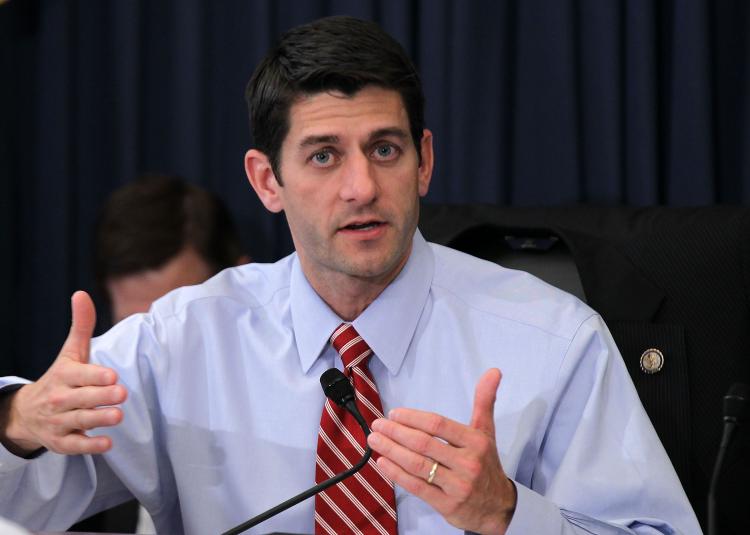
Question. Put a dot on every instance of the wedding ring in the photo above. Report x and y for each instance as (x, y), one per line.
(433, 471)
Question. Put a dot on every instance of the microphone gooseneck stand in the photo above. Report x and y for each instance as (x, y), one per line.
(735, 413)
(338, 388)
(725, 439)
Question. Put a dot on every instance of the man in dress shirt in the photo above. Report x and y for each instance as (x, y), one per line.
(215, 405)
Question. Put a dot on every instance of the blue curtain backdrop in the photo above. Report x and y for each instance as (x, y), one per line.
(532, 102)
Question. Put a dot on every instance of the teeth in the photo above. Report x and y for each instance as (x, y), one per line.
(362, 226)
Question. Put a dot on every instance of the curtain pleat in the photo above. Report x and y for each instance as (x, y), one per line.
(532, 102)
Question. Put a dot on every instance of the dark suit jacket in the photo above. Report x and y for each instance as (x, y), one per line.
(673, 279)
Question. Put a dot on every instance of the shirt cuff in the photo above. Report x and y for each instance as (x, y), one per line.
(534, 514)
(10, 461)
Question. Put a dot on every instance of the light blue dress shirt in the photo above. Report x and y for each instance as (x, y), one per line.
(224, 403)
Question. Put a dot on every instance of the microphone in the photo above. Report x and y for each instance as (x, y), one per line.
(735, 403)
(735, 413)
(339, 390)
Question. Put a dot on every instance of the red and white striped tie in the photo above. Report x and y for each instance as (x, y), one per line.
(364, 503)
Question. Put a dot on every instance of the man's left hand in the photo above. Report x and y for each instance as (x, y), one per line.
(469, 487)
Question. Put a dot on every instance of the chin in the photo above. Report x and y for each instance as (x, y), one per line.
(364, 272)
(373, 269)
(380, 262)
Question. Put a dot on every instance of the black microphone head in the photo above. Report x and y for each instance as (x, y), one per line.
(337, 387)
(735, 403)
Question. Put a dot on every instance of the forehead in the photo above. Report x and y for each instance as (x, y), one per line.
(333, 113)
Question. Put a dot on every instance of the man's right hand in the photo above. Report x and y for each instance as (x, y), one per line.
(71, 398)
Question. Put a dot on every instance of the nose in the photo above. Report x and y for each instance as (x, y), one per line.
(358, 181)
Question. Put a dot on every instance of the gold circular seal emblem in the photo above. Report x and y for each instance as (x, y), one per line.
(652, 361)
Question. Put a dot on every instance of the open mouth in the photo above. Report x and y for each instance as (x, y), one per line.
(363, 226)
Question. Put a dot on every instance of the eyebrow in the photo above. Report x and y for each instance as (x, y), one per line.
(389, 132)
(318, 140)
(332, 139)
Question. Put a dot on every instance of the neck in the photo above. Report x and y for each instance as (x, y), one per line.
(347, 295)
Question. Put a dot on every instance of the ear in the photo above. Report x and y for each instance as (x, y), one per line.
(263, 180)
(425, 170)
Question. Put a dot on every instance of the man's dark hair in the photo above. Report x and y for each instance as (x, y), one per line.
(341, 54)
(147, 222)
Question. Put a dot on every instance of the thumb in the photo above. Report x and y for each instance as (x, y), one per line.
(482, 416)
(77, 344)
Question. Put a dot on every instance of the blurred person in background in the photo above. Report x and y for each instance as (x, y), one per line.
(153, 235)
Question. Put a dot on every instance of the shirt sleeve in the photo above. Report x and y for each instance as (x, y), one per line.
(53, 491)
(601, 468)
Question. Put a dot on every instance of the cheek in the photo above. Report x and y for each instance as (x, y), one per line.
(305, 220)
(314, 204)
(405, 189)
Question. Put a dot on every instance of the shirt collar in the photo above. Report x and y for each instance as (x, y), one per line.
(387, 325)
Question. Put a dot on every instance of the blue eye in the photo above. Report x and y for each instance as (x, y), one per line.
(386, 151)
(322, 157)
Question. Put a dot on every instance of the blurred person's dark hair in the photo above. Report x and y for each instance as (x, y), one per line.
(341, 54)
(149, 221)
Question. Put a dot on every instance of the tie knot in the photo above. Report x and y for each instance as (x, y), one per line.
(350, 345)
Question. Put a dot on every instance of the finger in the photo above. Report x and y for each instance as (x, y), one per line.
(89, 397)
(77, 344)
(410, 462)
(433, 424)
(482, 416)
(79, 374)
(415, 440)
(432, 494)
(87, 419)
(80, 444)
